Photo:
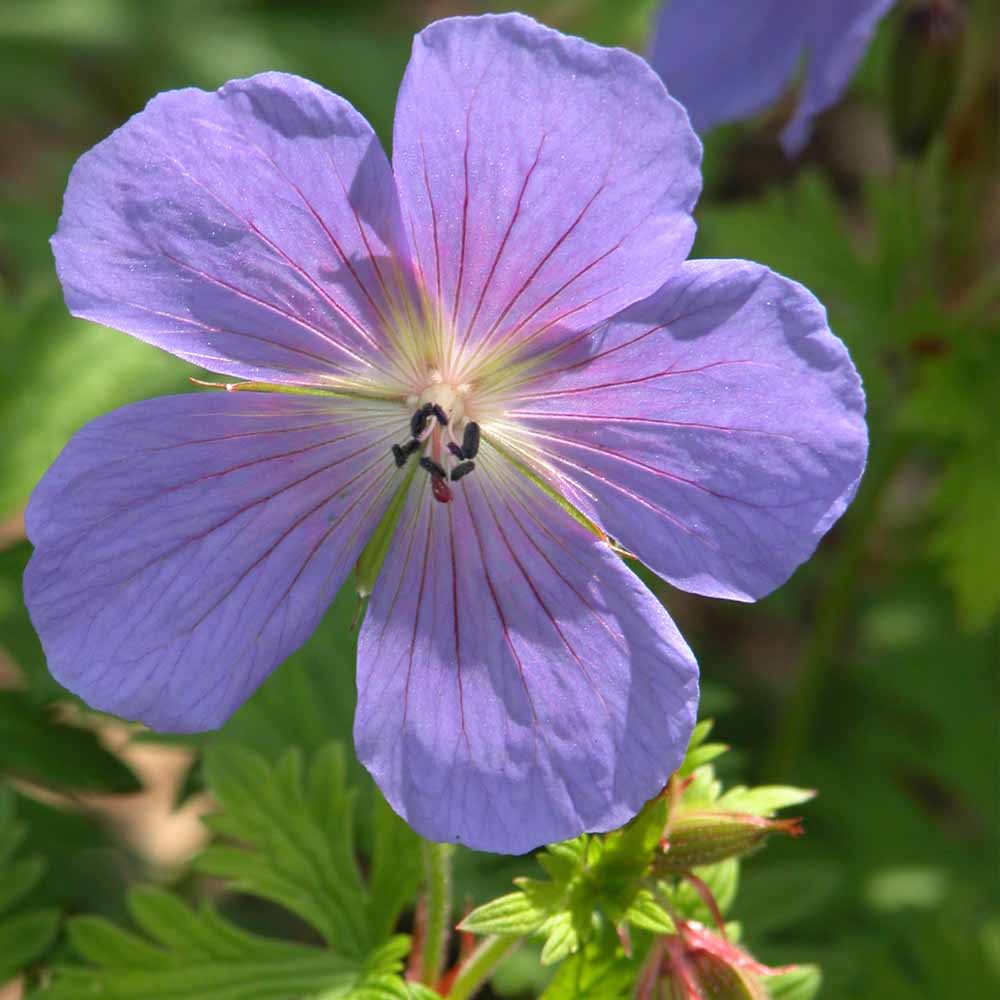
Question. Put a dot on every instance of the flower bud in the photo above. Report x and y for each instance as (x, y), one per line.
(924, 69)
(716, 979)
(698, 964)
(698, 838)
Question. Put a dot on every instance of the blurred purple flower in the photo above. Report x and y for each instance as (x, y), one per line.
(729, 59)
(517, 684)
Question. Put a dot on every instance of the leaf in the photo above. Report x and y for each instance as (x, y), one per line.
(595, 974)
(763, 800)
(193, 956)
(646, 913)
(801, 983)
(35, 746)
(297, 828)
(513, 914)
(561, 939)
(25, 937)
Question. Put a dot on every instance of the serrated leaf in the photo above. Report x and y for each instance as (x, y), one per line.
(646, 913)
(296, 825)
(764, 800)
(561, 939)
(25, 937)
(801, 983)
(514, 913)
(196, 956)
(38, 747)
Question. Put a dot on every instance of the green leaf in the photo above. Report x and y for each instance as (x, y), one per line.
(646, 913)
(194, 956)
(801, 983)
(593, 973)
(564, 860)
(296, 825)
(25, 937)
(515, 913)
(764, 800)
(562, 938)
(35, 746)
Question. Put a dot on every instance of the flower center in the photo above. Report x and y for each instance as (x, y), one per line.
(446, 439)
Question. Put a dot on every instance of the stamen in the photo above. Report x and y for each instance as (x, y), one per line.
(470, 440)
(419, 420)
(456, 450)
(432, 467)
(438, 412)
(402, 452)
(462, 470)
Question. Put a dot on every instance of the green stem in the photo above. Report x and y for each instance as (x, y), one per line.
(479, 966)
(437, 914)
(834, 608)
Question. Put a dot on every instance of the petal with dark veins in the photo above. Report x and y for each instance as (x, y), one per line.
(517, 684)
(185, 546)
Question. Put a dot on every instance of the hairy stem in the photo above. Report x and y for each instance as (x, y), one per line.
(437, 873)
(479, 966)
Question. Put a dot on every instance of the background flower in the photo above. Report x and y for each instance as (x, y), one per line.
(729, 59)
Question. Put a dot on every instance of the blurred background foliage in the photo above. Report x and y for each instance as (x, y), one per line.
(871, 676)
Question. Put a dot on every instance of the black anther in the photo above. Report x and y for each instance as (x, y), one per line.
(399, 455)
(410, 447)
(456, 450)
(470, 440)
(418, 422)
(440, 414)
(462, 470)
(432, 467)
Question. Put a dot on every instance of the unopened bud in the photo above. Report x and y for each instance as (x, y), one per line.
(705, 837)
(716, 979)
(924, 69)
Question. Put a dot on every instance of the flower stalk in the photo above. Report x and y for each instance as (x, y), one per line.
(437, 910)
(480, 965)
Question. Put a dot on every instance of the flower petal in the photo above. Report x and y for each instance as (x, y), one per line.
(717, 429)
(838, 35)
(732, 62)
(184, 546)
(249, 230)
(546, 182)
(517, 685)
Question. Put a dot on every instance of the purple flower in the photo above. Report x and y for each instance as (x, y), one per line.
(501, 332)
(732, 58)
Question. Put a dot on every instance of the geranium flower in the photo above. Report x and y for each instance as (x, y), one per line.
(730, 59)
(499, 333)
